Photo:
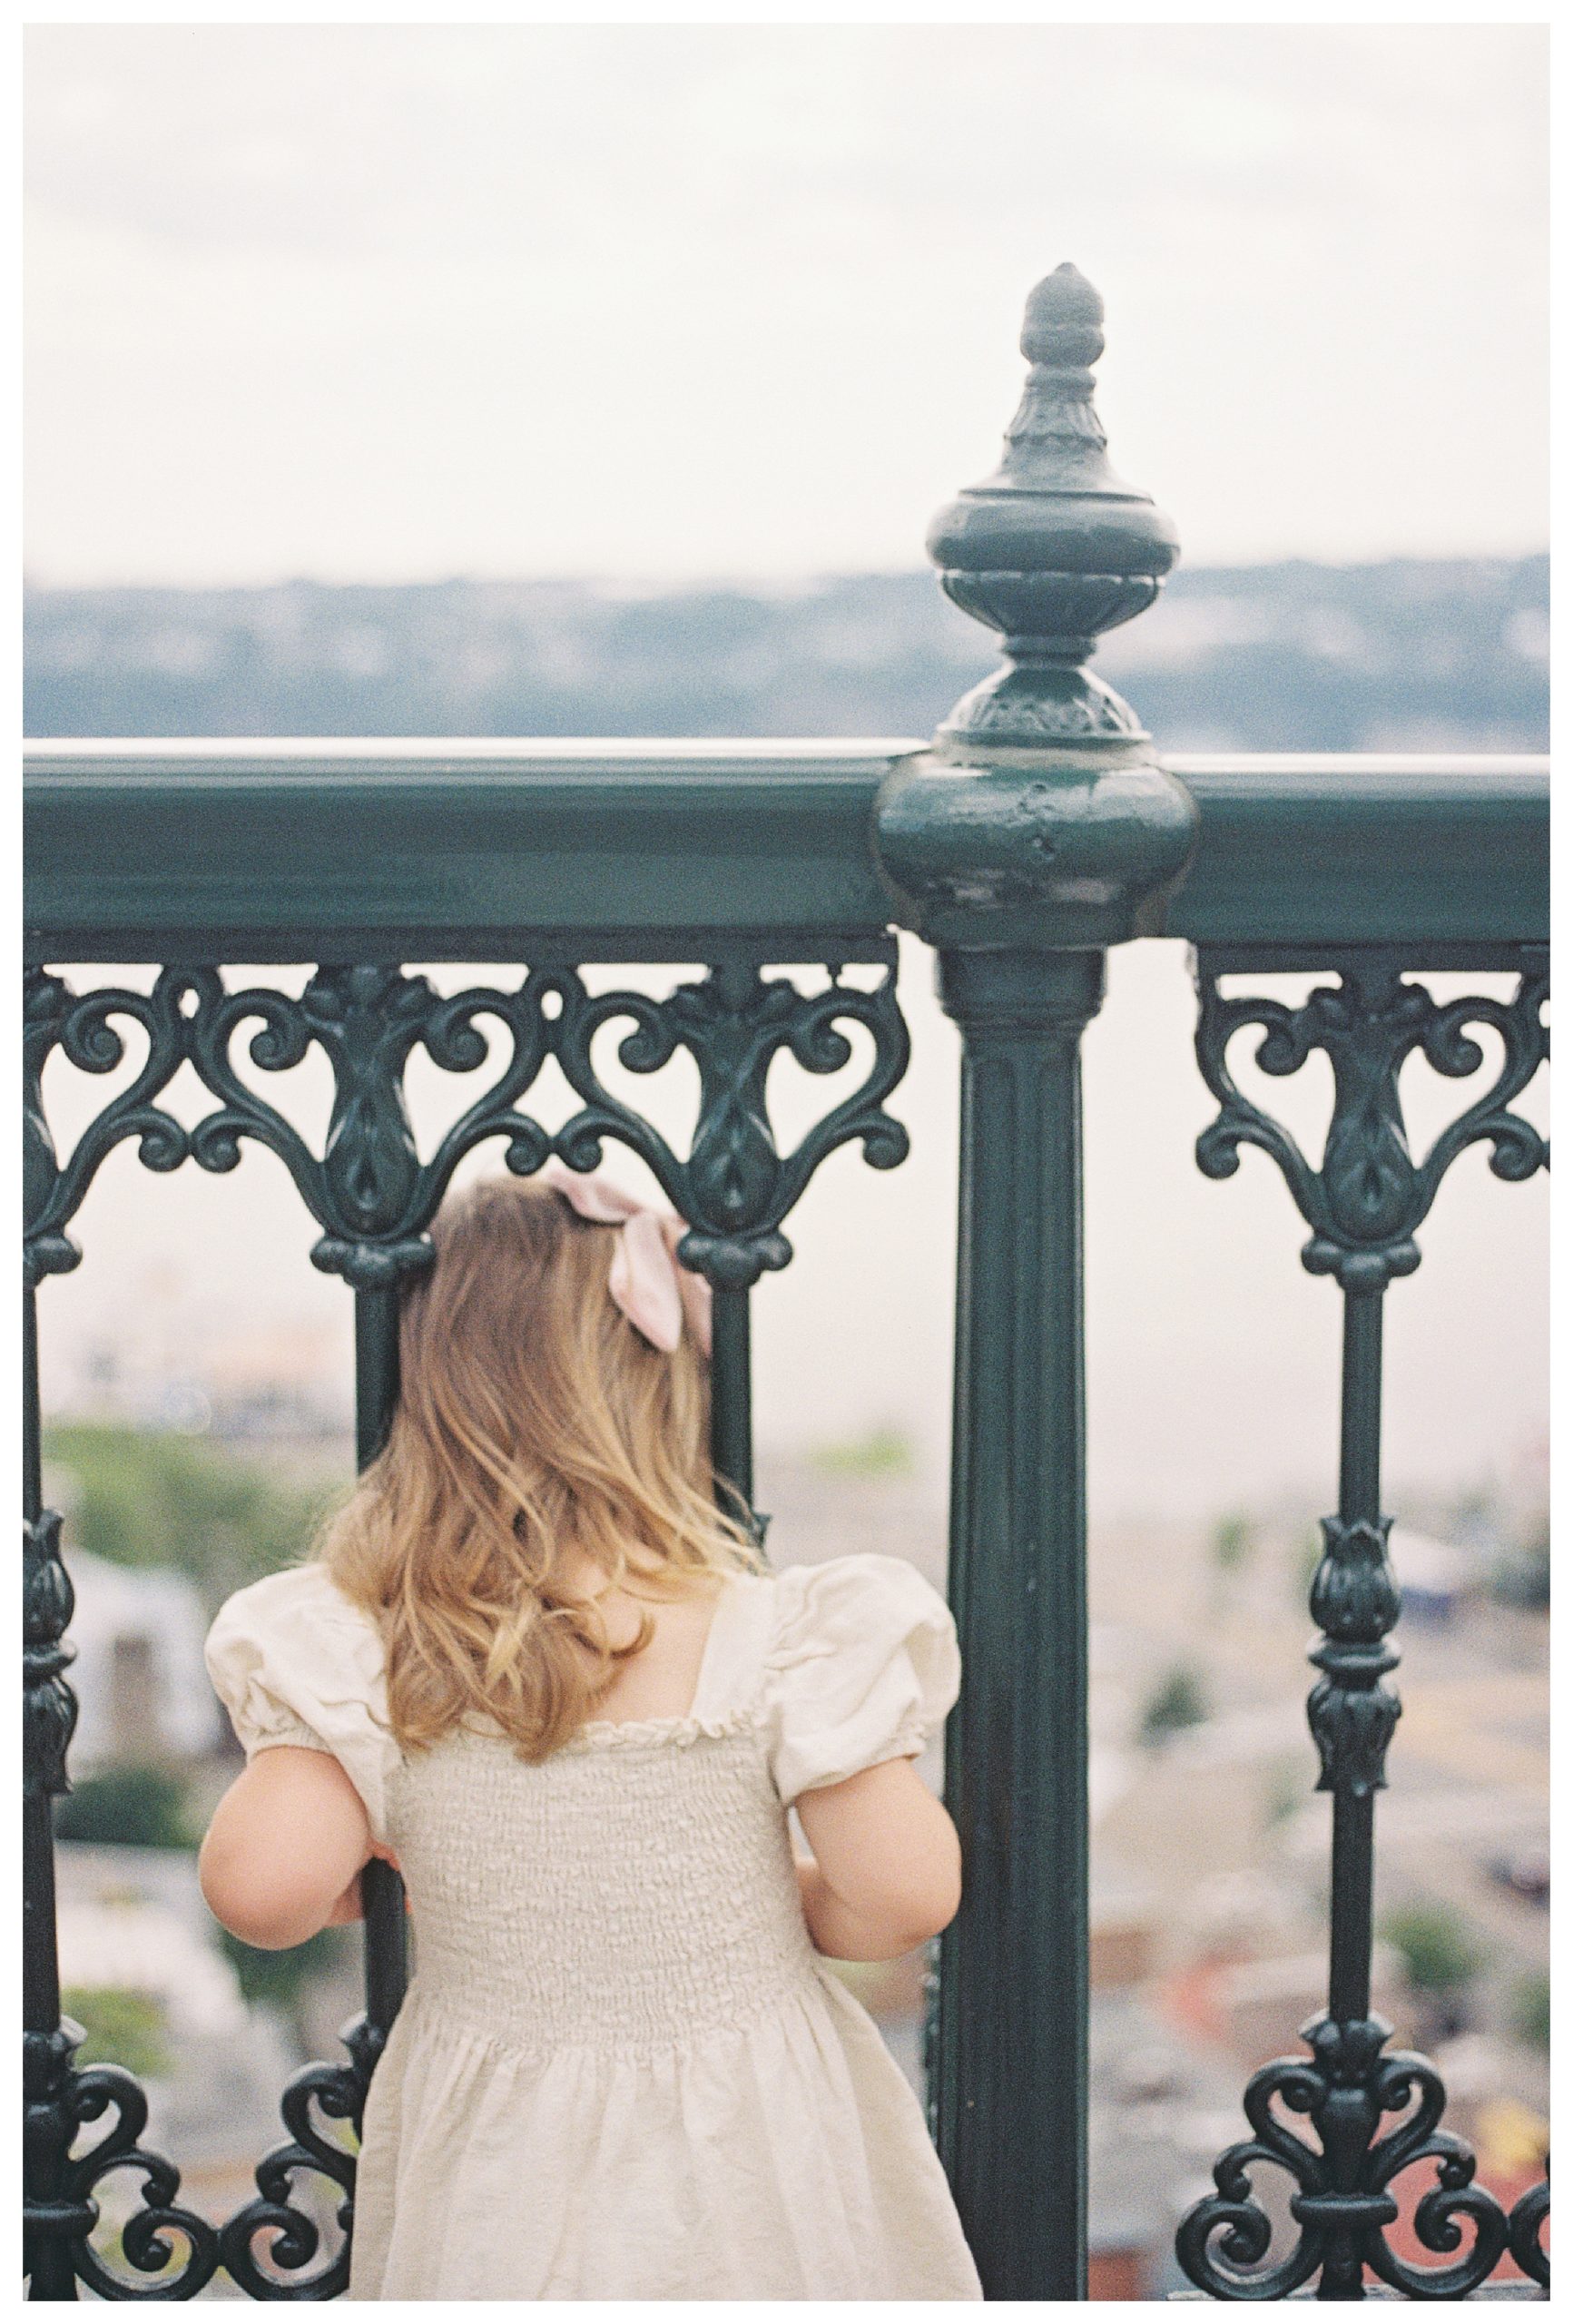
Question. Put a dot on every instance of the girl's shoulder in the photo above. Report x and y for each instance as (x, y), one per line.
(298, 1617)
(850, 1662)
(295, 1661)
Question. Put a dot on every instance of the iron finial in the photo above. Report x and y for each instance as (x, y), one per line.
(1054, 548)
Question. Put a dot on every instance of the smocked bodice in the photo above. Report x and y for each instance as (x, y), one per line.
(634, 1891)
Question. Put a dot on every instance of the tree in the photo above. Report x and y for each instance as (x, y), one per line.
(123, 2028)
(1234, 1540)
(279, 1979)
(1178, 1700)
(1440, 1955)
(148, 1497)
(127, 1806)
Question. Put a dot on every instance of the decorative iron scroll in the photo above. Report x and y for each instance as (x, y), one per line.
(373, 1199)
(83, 1031)
(1363, 1206)
(338, 2093)
(1366, 1202)
(368, 1190)
(58, 2099)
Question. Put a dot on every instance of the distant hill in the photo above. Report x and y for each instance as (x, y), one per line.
(1408, 655)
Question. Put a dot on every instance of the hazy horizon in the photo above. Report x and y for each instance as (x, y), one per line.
(783, 586)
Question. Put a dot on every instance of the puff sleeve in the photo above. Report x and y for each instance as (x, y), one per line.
(293, 1661)
(863, 1667)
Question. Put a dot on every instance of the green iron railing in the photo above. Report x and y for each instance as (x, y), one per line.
(1038, 828)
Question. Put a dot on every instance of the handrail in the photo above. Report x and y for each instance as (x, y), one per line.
(673, 850)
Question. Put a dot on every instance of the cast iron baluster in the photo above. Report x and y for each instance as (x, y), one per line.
(1363, 1207)
(382, 1890)
(732, 1408)
(59, 2097)
(1037, 830)
(735, 1188)
(375, 1200)
(337, 2093)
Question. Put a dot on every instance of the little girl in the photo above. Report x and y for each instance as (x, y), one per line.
(536, 1667)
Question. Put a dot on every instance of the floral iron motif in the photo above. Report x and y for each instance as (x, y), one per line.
(1526, 2222)
(735, 1188)
(1341, 2203)
(368, 1190)
(48, 1705)
(1363, 1207)
(1366, 1202)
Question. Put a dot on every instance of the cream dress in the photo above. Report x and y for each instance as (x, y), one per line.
(621, 2072)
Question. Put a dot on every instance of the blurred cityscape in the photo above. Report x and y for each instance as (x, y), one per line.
(1412, 654)
(1210, 1844)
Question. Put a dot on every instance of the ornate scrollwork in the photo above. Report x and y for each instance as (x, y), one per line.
(1369, 1197)
(59, 2100)
(54, 1017)
(368, 1190)
(736, 1187)
(1341, 2205)
(336, 2092)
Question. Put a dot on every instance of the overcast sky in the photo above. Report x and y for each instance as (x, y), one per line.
(391, 302)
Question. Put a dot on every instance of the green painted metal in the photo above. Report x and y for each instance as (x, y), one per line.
(485, 852)
(1375, 2112)
(387, 1961)
(1008, 2092)
(1038, 830)
(60, 2208)
(1053, 548)
(732, 1407)
(1359, 848)
(462, 850)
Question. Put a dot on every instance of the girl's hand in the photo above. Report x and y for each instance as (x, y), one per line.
(351, 1906)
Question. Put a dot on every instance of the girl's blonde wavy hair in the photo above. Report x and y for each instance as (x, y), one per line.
(536, 1429)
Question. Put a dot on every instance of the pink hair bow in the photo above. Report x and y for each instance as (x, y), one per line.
(655, 1293)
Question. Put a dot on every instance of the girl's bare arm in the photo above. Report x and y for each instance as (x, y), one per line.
(284, 1852)
(887, 1869)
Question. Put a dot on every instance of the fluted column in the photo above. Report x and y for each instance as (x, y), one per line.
(1037, 830)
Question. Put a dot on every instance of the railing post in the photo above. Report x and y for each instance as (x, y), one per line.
(1038, 830)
